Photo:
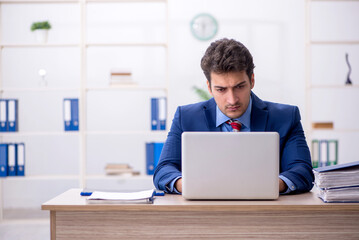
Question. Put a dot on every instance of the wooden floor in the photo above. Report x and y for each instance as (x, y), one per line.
(25, 224)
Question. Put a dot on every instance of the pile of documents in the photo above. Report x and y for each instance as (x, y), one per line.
(120, 169)
(121, 198)
(339, 183)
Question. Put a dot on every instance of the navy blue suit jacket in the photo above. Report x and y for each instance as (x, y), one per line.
(295, 161)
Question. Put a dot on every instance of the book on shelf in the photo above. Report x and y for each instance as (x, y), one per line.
(323, 125)
(120, 169)
(338, 183)
(98, 197)
(121, 76)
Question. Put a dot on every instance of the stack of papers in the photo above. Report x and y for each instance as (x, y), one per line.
(338, 183)
(121, 198)
(120, 169)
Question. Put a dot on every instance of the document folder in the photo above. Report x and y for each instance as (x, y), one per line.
(71, 114)
(154, 113)
(3, 116)
(153, 153)
(150, 161)
(3, 160)
(20, 158)
(12, 115)
(162, 113)
(11, 159)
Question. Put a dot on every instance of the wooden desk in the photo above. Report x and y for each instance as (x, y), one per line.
(302, 216)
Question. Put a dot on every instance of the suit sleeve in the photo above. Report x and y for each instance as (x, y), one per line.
(169, 165)
(295, 160)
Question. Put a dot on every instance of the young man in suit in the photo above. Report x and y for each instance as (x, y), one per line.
(228, 67)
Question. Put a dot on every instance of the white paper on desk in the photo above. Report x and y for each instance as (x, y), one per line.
(117, 196)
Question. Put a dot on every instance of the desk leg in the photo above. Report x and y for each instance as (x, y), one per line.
(53, 225)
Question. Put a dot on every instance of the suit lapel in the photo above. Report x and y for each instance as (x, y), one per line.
(209, 110)
(259, 115)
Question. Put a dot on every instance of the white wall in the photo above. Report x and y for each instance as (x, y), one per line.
(273, 31)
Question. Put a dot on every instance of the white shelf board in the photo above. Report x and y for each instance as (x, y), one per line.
(78, 1)
(126, 87)
(340, 130)
(111, 177)
(335, 86)
(39, 1)
(124, 1)
(149, 132)
(128, 44)
(32, 45)
(41, 177)
(54, 133)
(314, 42)
(43, 89)
(124, 44)
(333, 0)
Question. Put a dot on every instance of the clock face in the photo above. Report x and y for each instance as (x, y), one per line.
(204, 26)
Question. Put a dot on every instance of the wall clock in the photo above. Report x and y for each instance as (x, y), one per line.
(204, 26)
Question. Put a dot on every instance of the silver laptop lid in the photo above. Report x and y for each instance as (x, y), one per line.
(226, 165)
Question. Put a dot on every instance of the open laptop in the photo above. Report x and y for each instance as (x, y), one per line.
(230, 165)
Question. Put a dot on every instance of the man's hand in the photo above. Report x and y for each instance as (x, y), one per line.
(178, 185)
(282, 186)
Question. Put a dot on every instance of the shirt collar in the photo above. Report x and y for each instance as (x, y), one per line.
(245, 119)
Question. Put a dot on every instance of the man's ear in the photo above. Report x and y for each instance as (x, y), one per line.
(209, 87)
(252, 81)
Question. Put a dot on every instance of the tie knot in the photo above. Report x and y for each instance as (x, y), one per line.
(235, 124)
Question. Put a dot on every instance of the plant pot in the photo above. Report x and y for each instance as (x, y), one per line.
(41, 35)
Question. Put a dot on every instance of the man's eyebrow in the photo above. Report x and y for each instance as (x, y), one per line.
(239, 84)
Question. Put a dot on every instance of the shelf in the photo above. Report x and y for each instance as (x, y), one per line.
(124, 1)
(42, 89)
(109, 88)
(334, 42)
(30, 45)
(125, 87)
(334, 0)
(127, 44)
(24, 134)
(149, 132)
(124, 44)
(41, 177)
(335, 86)
(338, 130)
(39, 1)
(77, 133)
(111, 177)
(83, 89)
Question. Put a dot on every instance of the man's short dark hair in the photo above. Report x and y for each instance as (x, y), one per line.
(227, 55)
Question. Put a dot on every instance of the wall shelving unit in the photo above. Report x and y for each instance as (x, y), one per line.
(328, 38)
(83, 89)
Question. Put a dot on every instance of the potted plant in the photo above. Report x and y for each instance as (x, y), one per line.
(41, 30)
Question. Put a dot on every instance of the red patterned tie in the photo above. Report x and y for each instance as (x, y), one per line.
(235, 124)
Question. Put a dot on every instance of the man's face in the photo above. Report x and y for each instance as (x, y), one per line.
(231, 91)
